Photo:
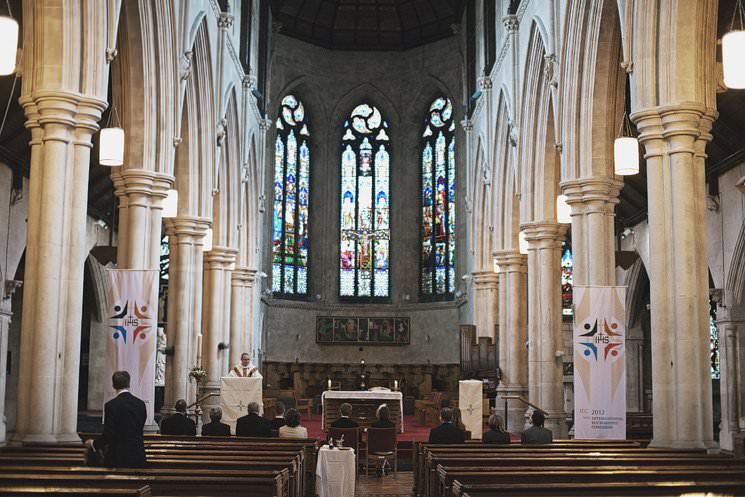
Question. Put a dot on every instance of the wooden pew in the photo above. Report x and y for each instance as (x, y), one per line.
(33, 489)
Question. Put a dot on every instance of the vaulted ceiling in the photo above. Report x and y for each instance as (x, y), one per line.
(368, 24)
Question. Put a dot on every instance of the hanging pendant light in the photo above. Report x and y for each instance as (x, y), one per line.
(170, 204)
(563, 211)
(523, 243)
(626, 150)
(207, 243)
(8, 45)
(733, 48)
(111, 147)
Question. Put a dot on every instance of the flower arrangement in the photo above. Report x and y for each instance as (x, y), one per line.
(198, 374)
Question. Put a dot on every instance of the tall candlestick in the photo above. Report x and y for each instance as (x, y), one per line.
(199, 350)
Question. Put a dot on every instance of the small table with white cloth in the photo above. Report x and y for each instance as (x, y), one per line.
(335, 472)
(364, 404)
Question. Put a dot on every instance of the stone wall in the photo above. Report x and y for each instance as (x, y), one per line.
(330, 84)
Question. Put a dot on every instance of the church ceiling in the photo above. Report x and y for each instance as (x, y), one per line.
(367, 24)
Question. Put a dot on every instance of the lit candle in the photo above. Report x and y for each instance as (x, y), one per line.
(362, 362)
(199, 350)
(395, 384)
(329, 384)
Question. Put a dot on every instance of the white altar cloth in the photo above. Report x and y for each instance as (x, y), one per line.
(236, 394)
(335, 472)
(381, 395)
(471, 406)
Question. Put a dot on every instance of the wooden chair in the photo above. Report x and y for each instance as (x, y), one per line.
(351, 439)
(382, 443)
(303, 405)
(428, 411)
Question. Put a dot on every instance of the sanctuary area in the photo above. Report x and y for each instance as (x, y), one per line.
(431, 248)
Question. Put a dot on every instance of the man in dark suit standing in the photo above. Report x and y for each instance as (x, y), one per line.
(537, 434)
(253, 425)
(124, 419)
(447, 432)
(177, 423)
(345, 421)
(216, 428)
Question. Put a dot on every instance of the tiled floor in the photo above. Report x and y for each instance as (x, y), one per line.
(399, 485)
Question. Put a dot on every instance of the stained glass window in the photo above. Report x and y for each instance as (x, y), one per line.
(713, 342)
(567, 268)
(291, 196)
(364, 258)
(438, 201)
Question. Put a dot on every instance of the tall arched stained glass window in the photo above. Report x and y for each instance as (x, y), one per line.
(364, 258)
(291, 196)
(438, 201)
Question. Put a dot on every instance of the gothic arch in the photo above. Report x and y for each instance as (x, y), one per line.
(225, 204)
(736, 277)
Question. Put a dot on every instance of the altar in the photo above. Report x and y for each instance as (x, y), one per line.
(364, 405)
(236, 394)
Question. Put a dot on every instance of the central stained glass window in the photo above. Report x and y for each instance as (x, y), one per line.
(364, 258)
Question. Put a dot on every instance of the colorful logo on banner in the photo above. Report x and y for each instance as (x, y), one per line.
(604, 338)
(131, 321)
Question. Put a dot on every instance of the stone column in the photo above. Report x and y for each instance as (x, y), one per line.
(242, 280)
(732, 362)
(5, 319)
(674, 139)
(218, 266)
(485, 284)
(185, 239)
(62, 125)
(545, 349)
(513, 334)
(593, 202)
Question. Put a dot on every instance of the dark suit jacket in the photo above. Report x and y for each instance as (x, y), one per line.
(536, 435)
(277, 423)
(178, 424)
(253, 425)
(345, 423)
(446, 433)
(216, 429)
(124, 418)
(496, 437)
(383, 424)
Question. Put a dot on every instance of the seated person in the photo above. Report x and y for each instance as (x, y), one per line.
(216, 428)
(252, 424)
(496, 433)
(279, 416)
(245, 369)
(458, 419)
(345, 421)
(383, 414)
(537, 434)
(446, 433)
(177, 423)
(292, 428)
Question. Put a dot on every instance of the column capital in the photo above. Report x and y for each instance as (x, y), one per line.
(485, 278)
(243, 277)
(511, 261)
(187, 229)
(128, 181)
(596, 192)
(681, 125)
(544, 231)
(511, 23)
(467, 125)
(220, 257)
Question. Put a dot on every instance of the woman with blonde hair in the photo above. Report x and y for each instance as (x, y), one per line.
(496, 433)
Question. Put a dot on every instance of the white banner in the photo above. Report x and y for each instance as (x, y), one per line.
(599, 363)
(132, 318)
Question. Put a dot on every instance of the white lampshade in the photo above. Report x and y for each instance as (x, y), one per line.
(496, 265)
(523, 243)
(563, 211)
(733, 50)
(170, 204)
(111, 147)
(626, 156)
(8, 45)
(207, 244)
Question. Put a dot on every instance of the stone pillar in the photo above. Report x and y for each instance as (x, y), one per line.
(485, 285)
(674, 139)
(185, 239)
(513, 334)
(218, 266)
(545, 349)
(241, 317)
(732, 363)
(593, 202)
(61, 126)
(5, 319)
